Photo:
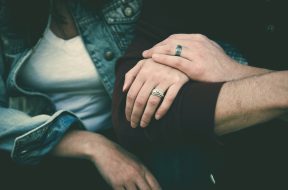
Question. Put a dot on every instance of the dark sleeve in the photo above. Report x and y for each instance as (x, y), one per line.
(191, 116)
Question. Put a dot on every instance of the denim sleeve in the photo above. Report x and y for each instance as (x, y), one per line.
(27, 138)
(30, 138)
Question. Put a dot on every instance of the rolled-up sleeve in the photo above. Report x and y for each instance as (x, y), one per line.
(191, 116)
(29, 139)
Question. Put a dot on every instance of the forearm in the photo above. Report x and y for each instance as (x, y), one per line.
(78, 144)
(240, 71)
(257, 99)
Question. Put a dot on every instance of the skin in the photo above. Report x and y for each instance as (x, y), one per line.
(150, 75)
(260, 93)
(120, 169)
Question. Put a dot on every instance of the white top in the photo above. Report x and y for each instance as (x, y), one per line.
(64, 71)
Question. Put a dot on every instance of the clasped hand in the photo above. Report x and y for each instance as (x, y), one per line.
(201, 59)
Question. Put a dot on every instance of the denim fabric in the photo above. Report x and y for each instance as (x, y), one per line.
(29, 124)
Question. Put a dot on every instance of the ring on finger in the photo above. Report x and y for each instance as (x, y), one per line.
(157, 92)
(178, 50)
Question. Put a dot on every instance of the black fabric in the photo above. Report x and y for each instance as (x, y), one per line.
(190, 118)
(254, 158)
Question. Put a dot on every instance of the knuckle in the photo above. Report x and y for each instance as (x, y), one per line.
(146, 117)
(127, 76)
(167, 49)
(139, 103)
(201, 37)
(172, 36)
(135, 170)
(178, 62)
(130, 97)
(153, 102)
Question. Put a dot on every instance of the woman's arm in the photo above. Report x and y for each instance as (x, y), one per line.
(118, 167)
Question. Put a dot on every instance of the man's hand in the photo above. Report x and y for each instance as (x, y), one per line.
(201, 59)
(141, 80)
(119, 168)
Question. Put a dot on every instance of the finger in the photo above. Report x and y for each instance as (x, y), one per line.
(131, 96)
(169, 49)
(173, 37)
(176, 62)
(168, 100)
(153, 183)
(152, 105)
(131, 75)
(130, 186)
(181, 39)
(147, 53)
(119, 188)
(142, 184)
(140, 103)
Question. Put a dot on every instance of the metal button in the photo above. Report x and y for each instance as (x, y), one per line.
(128, 11)
(109, 55)
(212, 179)
(5, 42)
(110, 20)
(24, 151)
(270, 28)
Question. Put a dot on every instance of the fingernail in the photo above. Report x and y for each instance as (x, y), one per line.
(143, 125)
(157, 117)
(144, 52)
(124, 88)
(133, 125)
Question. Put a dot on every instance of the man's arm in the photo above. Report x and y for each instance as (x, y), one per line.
(192, 114)
(246, 102)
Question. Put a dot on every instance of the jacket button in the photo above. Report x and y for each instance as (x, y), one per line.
(24, 151)
(128, 11)
(270, 28)
(212, 179)
(110, 20)
(109, 55)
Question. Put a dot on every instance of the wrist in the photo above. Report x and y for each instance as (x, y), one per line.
(97, 147)
(240, 71)
(77, 144)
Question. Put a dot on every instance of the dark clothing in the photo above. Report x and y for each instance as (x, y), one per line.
(257, 28)
(195, 116)
(254, 157)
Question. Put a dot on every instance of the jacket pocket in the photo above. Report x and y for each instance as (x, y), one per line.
(121, 17)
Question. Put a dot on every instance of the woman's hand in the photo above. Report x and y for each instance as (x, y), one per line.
(141, 80)
(201, 58)
(118, 167)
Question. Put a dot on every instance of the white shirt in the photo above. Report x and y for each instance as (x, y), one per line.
(64, 70)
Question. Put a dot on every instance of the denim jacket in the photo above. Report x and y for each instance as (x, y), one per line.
(29, 124)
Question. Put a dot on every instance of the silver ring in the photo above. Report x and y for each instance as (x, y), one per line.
(157, 92)
(178, 50)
